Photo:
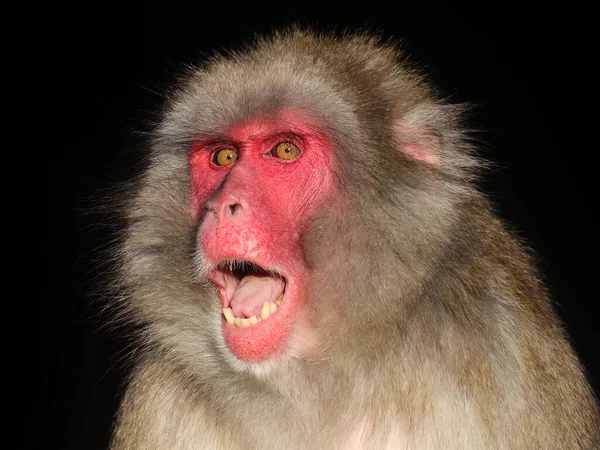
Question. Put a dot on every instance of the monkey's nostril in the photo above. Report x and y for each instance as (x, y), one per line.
(235, 210)
(210, 212)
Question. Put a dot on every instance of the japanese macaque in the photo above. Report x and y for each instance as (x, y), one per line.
(313, 267)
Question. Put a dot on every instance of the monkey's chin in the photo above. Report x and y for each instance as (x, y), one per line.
(260, 341)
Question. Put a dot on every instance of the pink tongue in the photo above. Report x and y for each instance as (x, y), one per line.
(252, 292)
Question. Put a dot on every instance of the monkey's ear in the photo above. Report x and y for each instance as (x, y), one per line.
(422, 132)
(418, 142)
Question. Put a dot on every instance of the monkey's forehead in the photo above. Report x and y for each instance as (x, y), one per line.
(327, 78)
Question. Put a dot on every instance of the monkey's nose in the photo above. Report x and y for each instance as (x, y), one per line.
(226, 210)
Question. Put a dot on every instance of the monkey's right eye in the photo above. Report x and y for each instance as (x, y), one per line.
(224, 157)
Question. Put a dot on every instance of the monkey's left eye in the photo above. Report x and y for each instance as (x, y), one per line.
(285, 150)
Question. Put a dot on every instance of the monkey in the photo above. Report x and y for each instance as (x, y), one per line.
(312, 265)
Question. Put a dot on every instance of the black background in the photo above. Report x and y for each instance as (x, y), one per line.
(530, 75)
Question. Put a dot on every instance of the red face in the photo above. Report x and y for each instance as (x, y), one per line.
(258, 185)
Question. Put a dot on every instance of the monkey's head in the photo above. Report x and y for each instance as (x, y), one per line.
(301, 181)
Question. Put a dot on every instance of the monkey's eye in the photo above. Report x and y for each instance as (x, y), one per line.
(224, 157)
(285, 150)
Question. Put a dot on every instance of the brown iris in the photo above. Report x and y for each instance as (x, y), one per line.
(224, 157)
(285, 150)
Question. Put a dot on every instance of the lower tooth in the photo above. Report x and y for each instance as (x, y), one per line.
(265, 311)
(268, 308)
(239, 322)
(228, 313)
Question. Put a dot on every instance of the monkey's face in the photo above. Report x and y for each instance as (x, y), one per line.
(255, 187)
(289, 187)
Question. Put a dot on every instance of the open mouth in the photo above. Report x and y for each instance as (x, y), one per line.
(258, 307)
(250, 293)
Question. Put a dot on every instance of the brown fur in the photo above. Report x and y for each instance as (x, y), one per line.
(438, 334)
